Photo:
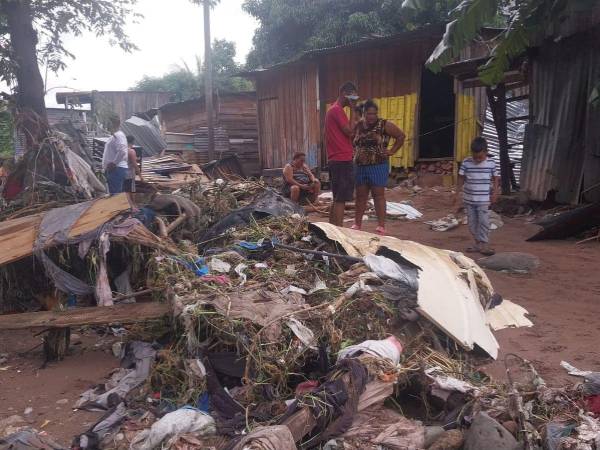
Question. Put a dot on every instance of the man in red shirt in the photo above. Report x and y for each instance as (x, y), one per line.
(338, 140)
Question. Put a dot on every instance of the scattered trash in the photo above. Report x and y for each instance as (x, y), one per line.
(217, 265)
(389, 348)
(184, 420)
(444, 224)
(239, 269)
(396, 210)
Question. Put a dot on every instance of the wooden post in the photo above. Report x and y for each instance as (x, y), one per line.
(208, 82)
(56, 343)
(497, 100)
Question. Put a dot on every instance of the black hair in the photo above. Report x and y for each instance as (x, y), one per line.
(298, 155)
(114, 121)
(370, 103)
(478, 145)
(347, 87)
(130, 139)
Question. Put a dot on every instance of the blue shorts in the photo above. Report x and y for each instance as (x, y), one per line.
(373, 175)
(115, 179)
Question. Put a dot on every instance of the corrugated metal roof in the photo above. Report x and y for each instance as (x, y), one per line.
(146, 135)
(429, 31)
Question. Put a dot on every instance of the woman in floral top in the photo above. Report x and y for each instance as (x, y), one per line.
(371, 157)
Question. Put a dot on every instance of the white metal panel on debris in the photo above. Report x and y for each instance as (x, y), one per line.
(449, 284)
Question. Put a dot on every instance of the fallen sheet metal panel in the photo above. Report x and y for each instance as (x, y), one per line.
(18, 236)
(448, 295)
(507, 315)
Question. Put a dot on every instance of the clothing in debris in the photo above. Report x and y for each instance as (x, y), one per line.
(478, 180)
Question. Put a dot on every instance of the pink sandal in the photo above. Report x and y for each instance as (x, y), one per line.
(380, 230)
(355, 227)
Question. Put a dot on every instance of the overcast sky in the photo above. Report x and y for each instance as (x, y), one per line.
(170, 32)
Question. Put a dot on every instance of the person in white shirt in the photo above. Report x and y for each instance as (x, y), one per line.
(115, 158)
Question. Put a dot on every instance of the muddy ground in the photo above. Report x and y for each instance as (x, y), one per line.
(562, 296)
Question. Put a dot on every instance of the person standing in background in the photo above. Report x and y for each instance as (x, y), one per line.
(115, 157)
(132, 171)
(371, 156)
(475, 177)
(339, 132)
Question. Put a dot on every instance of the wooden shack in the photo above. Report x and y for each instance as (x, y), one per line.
(438, 117)
(103, 104)
(236, 130)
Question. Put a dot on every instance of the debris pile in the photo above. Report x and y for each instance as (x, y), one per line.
(283, 334)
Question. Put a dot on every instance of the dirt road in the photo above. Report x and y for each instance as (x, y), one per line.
(563, 297)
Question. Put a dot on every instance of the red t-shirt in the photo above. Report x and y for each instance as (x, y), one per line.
(339, 145)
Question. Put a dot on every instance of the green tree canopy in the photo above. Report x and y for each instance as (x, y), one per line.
(186, 83)
(528, 22)
(33, 30)
(289, 27)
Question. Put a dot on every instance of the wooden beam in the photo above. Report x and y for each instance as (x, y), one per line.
(99, 315)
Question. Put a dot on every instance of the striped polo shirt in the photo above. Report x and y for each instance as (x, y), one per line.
(478, 180)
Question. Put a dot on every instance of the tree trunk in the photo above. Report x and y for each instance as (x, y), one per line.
(31, 108)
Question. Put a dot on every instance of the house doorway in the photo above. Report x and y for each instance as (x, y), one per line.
(436, 121)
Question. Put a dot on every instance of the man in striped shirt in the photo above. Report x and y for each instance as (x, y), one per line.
(479, 181)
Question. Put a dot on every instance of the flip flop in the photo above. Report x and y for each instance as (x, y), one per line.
(355, 227)
(380, 231)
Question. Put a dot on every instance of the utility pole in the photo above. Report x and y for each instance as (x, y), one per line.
(208, 82)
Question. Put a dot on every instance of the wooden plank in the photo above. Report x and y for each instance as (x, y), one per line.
(98, 315)
(17, 236)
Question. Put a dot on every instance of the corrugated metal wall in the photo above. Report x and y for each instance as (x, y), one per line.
(562, 148)
(288, 115)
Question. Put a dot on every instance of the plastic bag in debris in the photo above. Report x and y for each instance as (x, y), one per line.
(555, 432)
(394, 209)
(302, 332)
(269, 203)
(389, 348)
(218, 265)
(591, 385)
(28, 439)
(184, 420)
(443, 385)
(277, 437)
(385, 267)
(141, 355)
(239, 269)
